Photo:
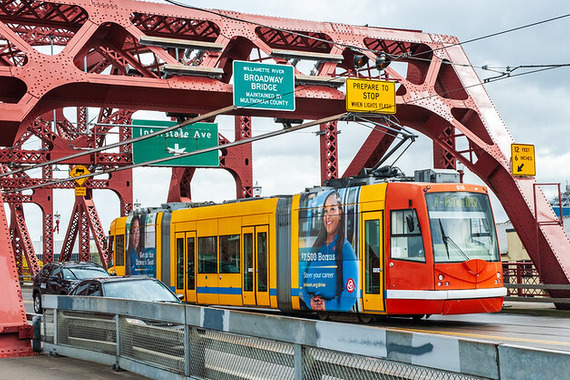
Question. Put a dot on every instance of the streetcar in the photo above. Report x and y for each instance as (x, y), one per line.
(371, 247)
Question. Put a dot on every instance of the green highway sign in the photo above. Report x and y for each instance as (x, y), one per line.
(174, 143)
(264, 86)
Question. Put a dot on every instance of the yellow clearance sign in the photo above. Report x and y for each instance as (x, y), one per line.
(522, 160)
(365, 95)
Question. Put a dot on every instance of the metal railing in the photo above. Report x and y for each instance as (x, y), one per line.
(190, 342)
(523, 284)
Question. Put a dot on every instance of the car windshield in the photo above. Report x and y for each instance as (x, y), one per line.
(139, 290)
(462, 227)
(82, 273)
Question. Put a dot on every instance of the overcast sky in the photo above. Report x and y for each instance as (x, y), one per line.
(534, 107)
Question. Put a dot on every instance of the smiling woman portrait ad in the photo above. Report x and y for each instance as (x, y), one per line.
(141, 248)
(328, 266)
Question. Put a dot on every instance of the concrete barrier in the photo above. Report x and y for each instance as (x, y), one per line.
(197, 332)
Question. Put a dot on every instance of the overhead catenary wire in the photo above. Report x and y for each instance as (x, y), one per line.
(344, 116)
(407, 56)
(544, 67)
(197, 119)
(188, 122)
(188, 154)
(396, 133)
(393, 57)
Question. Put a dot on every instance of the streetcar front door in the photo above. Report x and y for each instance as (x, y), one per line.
(185, 265)
(372, 263)
(255, 270)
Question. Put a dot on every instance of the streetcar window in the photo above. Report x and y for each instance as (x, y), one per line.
(179, 263)
(262, 261)
(248, 262)
(372, 252)
(111, 251)
(406, 241)
(120, 250)
(462, 227)
(190, 268)
(207, 255)
(229, 254)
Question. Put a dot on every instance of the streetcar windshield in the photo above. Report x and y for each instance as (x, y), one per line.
(462, 227)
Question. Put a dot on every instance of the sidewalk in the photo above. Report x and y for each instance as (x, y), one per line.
(534, 308)
(59, 367)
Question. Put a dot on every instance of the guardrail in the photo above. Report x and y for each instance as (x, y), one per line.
(535, 293)
(165, 341)
(523, 284)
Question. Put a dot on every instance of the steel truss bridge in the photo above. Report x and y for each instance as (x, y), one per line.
(122, 56)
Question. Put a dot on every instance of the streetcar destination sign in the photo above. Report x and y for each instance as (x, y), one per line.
(522, 160)
(264, 86)
(175, 143)
(366, 95)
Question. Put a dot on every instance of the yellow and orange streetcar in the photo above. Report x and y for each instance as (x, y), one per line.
(366, 246)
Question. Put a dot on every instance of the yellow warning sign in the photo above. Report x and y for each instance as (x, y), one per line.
(78, 171)
(522, 160)
(366, 95)
(80, 191)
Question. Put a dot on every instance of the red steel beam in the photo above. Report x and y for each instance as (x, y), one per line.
(21, 241)
(15, 332)
(329, 151)
(102, 65)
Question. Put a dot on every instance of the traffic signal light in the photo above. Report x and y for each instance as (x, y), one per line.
(360, 60)
(383, 61)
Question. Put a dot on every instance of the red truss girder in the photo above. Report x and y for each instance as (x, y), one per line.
(329, 160)
(439, 93)
(15, 332)
(371, 151)
(21, 242)
(84, 218)
(237, 160)
(67, 139)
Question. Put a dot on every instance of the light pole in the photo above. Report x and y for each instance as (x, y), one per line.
(257, 190)
(56, 218)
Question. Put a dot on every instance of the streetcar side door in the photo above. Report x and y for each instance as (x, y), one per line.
(229, 283)
(185, 280)
(372, 254)
(255, 265)
(207, 274)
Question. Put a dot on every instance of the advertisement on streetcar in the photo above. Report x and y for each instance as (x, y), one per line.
(141, 247)
(328, 264)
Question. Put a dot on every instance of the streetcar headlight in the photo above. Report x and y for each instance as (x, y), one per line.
(446, 283)
(498, 274)
(439, 284)
(440, 277)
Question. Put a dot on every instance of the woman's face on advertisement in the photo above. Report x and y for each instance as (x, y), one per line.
(135, 235)
(331, 216)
